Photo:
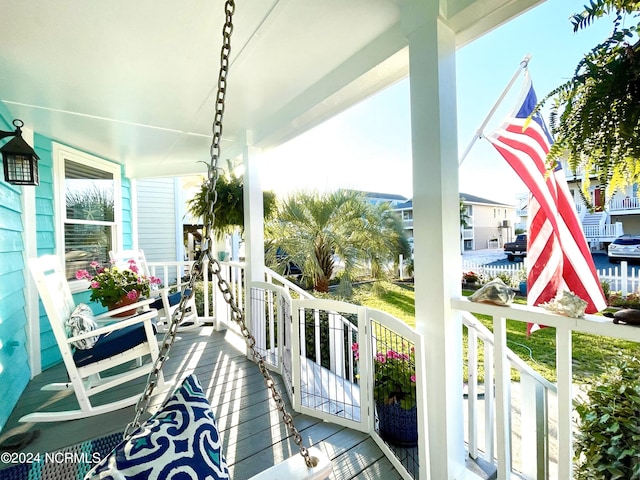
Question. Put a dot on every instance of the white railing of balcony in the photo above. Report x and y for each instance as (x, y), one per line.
(626, 203)
(609, 230)
(564, 326)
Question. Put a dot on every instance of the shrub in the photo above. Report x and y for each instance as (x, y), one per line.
(606, 445)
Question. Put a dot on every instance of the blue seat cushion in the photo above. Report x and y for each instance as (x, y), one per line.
(110, 344)
(174, 299)
(181, 440)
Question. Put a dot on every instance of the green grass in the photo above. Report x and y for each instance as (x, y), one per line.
(591, 354)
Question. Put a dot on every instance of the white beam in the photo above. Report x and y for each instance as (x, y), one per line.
(436, 230)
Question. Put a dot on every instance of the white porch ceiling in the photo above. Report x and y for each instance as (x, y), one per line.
(134, 81)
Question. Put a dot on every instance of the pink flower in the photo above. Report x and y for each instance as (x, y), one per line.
(95, 285)
(155, 281)
(94, 264)
(132, 295)
(413, 378)
(354, 347)
(82, 274)
(380, 357)
(133, 267)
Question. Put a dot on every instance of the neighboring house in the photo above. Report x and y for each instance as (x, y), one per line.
(391, 198)
(611, 216)
(489, 224)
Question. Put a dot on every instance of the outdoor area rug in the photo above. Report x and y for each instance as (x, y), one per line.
(66, 464)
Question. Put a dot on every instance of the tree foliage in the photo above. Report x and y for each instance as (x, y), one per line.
(312, 231)
(595, 116)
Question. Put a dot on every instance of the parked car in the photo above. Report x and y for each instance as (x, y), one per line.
(625, 247)
(517, 248)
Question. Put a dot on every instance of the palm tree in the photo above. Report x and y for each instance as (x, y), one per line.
(313, 231)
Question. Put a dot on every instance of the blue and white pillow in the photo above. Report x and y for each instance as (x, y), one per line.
(81, 321)
(181, 438)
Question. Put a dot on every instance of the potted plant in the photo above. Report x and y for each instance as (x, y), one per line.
(606, 442)
(522, 281)
(394, 391)
(470, 278)
(114, 287)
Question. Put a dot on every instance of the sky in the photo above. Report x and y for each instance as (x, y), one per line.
(368, 147)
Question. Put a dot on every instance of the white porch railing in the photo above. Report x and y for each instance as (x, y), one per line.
(311, 342)
(324, 350)
(565, 327)
(530, 435)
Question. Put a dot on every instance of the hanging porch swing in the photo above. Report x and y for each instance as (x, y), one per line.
(185, 422)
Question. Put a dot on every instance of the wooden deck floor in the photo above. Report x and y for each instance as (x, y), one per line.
(253, 434)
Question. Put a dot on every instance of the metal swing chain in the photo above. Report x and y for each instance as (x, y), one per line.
(207, 254)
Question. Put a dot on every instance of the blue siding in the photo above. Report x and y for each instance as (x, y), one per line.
(14, 362)
(46, 239)
(127, 227)
(14, 366)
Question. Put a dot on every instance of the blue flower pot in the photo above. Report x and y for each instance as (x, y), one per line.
(398, 426)
(523, 289)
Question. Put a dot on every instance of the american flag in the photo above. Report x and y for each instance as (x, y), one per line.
(558, 255)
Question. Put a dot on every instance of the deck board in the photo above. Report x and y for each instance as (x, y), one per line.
(254, 436)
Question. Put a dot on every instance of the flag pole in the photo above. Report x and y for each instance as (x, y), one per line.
(480, 132)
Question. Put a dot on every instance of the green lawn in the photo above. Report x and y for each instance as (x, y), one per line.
(590, 353)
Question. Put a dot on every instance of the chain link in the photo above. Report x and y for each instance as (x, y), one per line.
(207, 256)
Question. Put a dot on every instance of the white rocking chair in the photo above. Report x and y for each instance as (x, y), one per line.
(168, 302)
(126, 340)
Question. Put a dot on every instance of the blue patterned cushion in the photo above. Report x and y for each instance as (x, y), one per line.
(181, 440)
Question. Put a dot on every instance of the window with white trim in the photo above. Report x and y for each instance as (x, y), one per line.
(88, 193)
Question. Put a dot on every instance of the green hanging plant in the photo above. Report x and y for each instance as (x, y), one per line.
(595, 116)
(229, 207)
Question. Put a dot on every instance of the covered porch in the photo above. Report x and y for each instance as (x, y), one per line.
(294, 65)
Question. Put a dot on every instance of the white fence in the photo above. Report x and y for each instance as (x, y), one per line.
(619, 278)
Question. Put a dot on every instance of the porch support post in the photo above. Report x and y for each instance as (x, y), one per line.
(253, 215)
(253, 225)
(29, 239)
(437, 259)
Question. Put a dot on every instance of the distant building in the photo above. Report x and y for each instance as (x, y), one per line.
(489, 224)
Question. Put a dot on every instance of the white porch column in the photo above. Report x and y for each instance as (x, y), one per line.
(253, 215)
(436, 230)
(29, 239)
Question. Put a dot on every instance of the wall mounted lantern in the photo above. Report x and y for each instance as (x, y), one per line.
(19, 159)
